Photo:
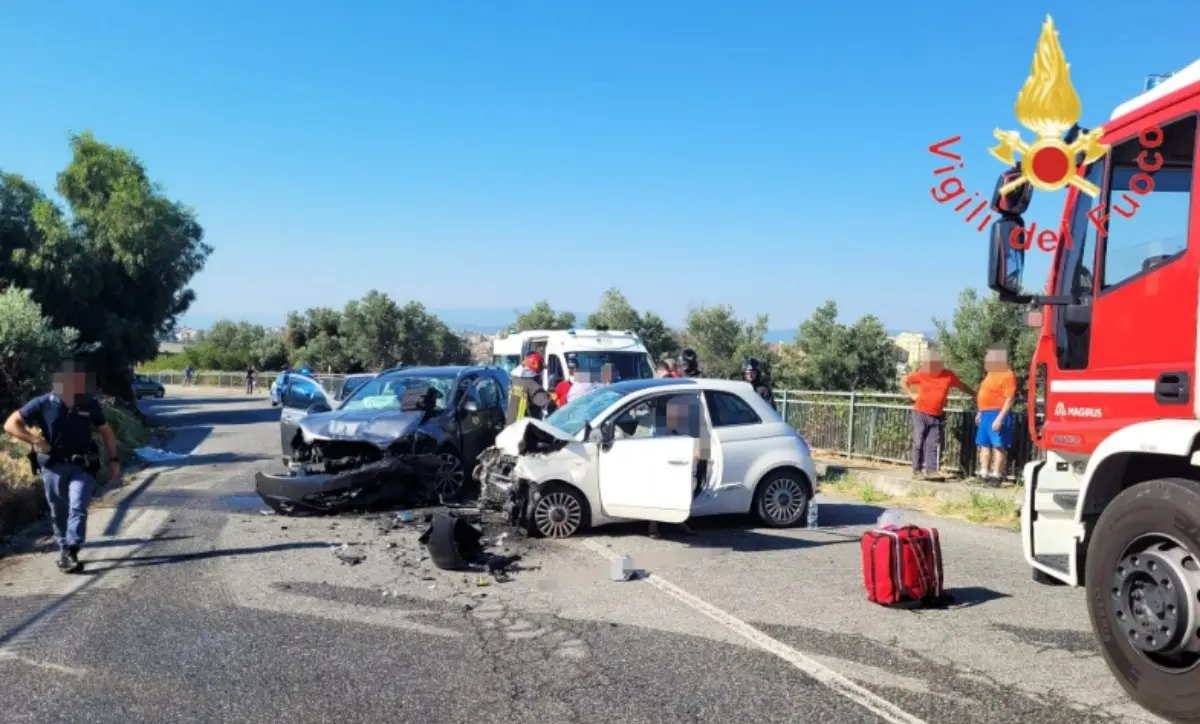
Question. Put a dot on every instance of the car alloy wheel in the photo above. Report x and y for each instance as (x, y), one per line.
(158, 394)
(558, 514)
(449, 476)
(784, 500)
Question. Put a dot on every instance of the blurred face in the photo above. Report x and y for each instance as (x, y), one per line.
(750, 375)
(996, 360)
(933, 364)
(571, 370)
(72, 381)
(608, 373)
(678, 412)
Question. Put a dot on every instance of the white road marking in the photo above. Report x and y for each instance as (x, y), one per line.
(10, 656)
(870, 701)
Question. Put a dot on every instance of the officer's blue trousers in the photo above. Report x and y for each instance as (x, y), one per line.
(68, 491)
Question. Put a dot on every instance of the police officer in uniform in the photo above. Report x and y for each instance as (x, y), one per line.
(689, 364)
(526, 396)
(67, 458)
(753, 373)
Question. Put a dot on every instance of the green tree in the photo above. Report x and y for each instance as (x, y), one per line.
(614, 312)
(979, 323)
(721, 340)
(660, 340)
(543, 316)
(269, 352)
(115, 266)
(31, 347)
(836, 357)
(374, 331)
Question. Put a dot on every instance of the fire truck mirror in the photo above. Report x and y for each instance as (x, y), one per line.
(1006, 260)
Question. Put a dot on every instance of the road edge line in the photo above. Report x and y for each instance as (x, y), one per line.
(833, 680)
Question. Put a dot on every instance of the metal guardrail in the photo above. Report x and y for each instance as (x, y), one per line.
(878, 426)
(867, 425)
(237, 380)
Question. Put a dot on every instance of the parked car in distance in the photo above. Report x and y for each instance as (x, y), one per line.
(466, 415)
(629, 451)
(143, 386)
(352, 383)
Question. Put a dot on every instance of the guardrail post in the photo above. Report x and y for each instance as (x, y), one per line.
(850, 429)
(786, 418)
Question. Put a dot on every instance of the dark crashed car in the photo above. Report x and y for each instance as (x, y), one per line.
(406, 437)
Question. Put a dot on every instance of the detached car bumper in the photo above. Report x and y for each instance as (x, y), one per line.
(387, 482)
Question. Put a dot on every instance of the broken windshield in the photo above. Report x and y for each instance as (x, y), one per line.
(572, 417)
(384, 393)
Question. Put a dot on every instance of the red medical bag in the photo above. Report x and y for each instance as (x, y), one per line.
(902, 566)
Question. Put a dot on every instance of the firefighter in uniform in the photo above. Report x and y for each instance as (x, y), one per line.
(66, 456)
(526, 396)
(752, 372)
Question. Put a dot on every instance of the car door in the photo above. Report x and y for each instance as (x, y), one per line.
(487, 421)
(644, 472)
(737, 443)
(295, 399)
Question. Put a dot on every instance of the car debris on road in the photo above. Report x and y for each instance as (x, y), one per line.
(344, 554)
(456, 545)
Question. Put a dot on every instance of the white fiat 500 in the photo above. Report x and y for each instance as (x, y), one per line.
(662, 450)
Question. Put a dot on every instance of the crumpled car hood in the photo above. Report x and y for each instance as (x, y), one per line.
(377, 427)
(519, 437)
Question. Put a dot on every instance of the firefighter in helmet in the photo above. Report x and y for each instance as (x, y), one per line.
(752, 372)
(689, 364)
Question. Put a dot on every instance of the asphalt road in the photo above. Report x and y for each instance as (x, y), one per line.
(198, 608)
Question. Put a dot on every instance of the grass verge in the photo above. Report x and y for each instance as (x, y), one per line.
(978, 507)
(21, 497)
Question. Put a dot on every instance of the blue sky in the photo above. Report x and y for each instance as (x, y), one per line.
(489, 154)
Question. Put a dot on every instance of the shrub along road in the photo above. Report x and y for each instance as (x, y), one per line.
(197, 607)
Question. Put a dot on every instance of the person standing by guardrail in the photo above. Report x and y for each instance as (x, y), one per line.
(929, 387)
(994, 423)
(187, 376)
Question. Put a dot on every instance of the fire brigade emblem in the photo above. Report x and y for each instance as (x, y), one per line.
(1048, 105)
(1060, 409)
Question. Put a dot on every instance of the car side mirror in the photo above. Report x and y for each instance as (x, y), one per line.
(608, 432)
(317, 408)
(471, 406)
(1006, 256)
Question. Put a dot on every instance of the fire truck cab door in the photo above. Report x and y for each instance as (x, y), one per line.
(1126, 352)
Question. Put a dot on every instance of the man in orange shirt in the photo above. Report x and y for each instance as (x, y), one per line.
(994, 423)
(929, 387)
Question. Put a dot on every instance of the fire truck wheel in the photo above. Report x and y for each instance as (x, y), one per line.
(1143, 578)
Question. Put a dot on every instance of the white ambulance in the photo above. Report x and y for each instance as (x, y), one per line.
(590, 349)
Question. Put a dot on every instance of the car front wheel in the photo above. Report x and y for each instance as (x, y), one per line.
(1143, 578)
(450, 476)
(781, 499)
(558, 511)
(158, 394)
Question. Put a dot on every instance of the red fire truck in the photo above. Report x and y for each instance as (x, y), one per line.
(1114, 395)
